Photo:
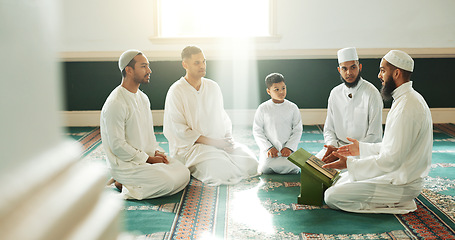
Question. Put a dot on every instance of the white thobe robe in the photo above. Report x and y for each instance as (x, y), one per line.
(128, 138)
(277, 125)
(389, 175)
(191, 113)
(359, 117)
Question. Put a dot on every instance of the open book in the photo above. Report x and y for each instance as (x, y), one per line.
(302, 157)
(317, 164)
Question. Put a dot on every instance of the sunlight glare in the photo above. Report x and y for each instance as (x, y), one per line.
(214, 18)
(238, 77)
(208, 236)
(249, 211)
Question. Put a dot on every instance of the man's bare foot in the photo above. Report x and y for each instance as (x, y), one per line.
(118, 185)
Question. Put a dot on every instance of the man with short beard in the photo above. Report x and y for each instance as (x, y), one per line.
(387, 176)
(199, 130)
(354, 107)
(138, 165)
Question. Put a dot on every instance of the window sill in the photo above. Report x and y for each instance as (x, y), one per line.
(198, 40)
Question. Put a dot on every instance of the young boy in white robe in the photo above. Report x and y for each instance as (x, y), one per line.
(199, 130)
(139, 167)
(277, 129)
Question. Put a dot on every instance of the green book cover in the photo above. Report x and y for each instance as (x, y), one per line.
(299, 157)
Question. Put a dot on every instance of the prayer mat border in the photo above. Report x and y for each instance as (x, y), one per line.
(197, 211)
(447, 128)
(90, 141)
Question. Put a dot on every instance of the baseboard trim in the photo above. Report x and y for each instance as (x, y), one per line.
(240, 117)
(214, 53)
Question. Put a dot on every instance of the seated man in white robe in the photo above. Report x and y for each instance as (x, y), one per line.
(387, 176)
(354, 107)
(138, 165)
(199, 130)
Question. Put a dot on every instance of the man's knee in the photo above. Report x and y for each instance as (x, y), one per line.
(329, 197)
(177, 178)
(336, 197)
(265, 169)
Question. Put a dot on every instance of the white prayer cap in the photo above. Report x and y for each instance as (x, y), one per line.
(347, 54)
(126, 58)
(400, 59)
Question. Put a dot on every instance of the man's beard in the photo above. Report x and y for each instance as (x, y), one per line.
(142, 80)
(353, 84)
(387, 89)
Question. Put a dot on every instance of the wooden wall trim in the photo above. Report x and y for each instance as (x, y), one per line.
(241, 117)
(211, 54)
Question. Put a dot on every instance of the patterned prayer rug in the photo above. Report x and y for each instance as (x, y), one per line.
(265, 207)
(88, 137)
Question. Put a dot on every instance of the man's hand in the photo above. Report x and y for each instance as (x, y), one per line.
(272, 152)
(339, 164)
(351, 149)
(285, 152)
(328, 156)
(227, 144)
(216, 142)
(161, 154)
(158, 158)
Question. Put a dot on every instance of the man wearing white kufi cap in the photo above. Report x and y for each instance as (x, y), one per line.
(354, 107)
(139, 166)
(387, 176)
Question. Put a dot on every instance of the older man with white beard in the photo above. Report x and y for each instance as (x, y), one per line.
(387, 176)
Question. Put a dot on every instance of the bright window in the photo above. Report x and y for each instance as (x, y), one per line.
(214, 18)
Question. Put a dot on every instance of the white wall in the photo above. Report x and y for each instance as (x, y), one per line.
(111, 26)
(366, 24)
(30, 94)
(106, 25)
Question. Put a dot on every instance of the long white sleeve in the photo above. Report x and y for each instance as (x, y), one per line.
(374, 131)
(114, 123)
(405, 153)
(368, 149)
(258, 131)
(296, 133)
(278, 125)
(175, 125)
(330, 137)
(358, 116)
(127, 127)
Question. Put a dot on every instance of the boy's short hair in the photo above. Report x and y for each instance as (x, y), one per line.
(190, 50)
(273, 78)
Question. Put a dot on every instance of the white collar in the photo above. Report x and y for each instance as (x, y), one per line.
(401, 90)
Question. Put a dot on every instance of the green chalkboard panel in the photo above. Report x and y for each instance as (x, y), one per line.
(309, 81)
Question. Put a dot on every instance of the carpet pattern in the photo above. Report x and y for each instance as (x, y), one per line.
(89, 138)
(197, 211)
(265, 207)
(426, 223)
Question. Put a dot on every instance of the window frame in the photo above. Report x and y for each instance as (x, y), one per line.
(159, 39)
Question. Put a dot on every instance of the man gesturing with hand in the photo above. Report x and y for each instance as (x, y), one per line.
(387, 176)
